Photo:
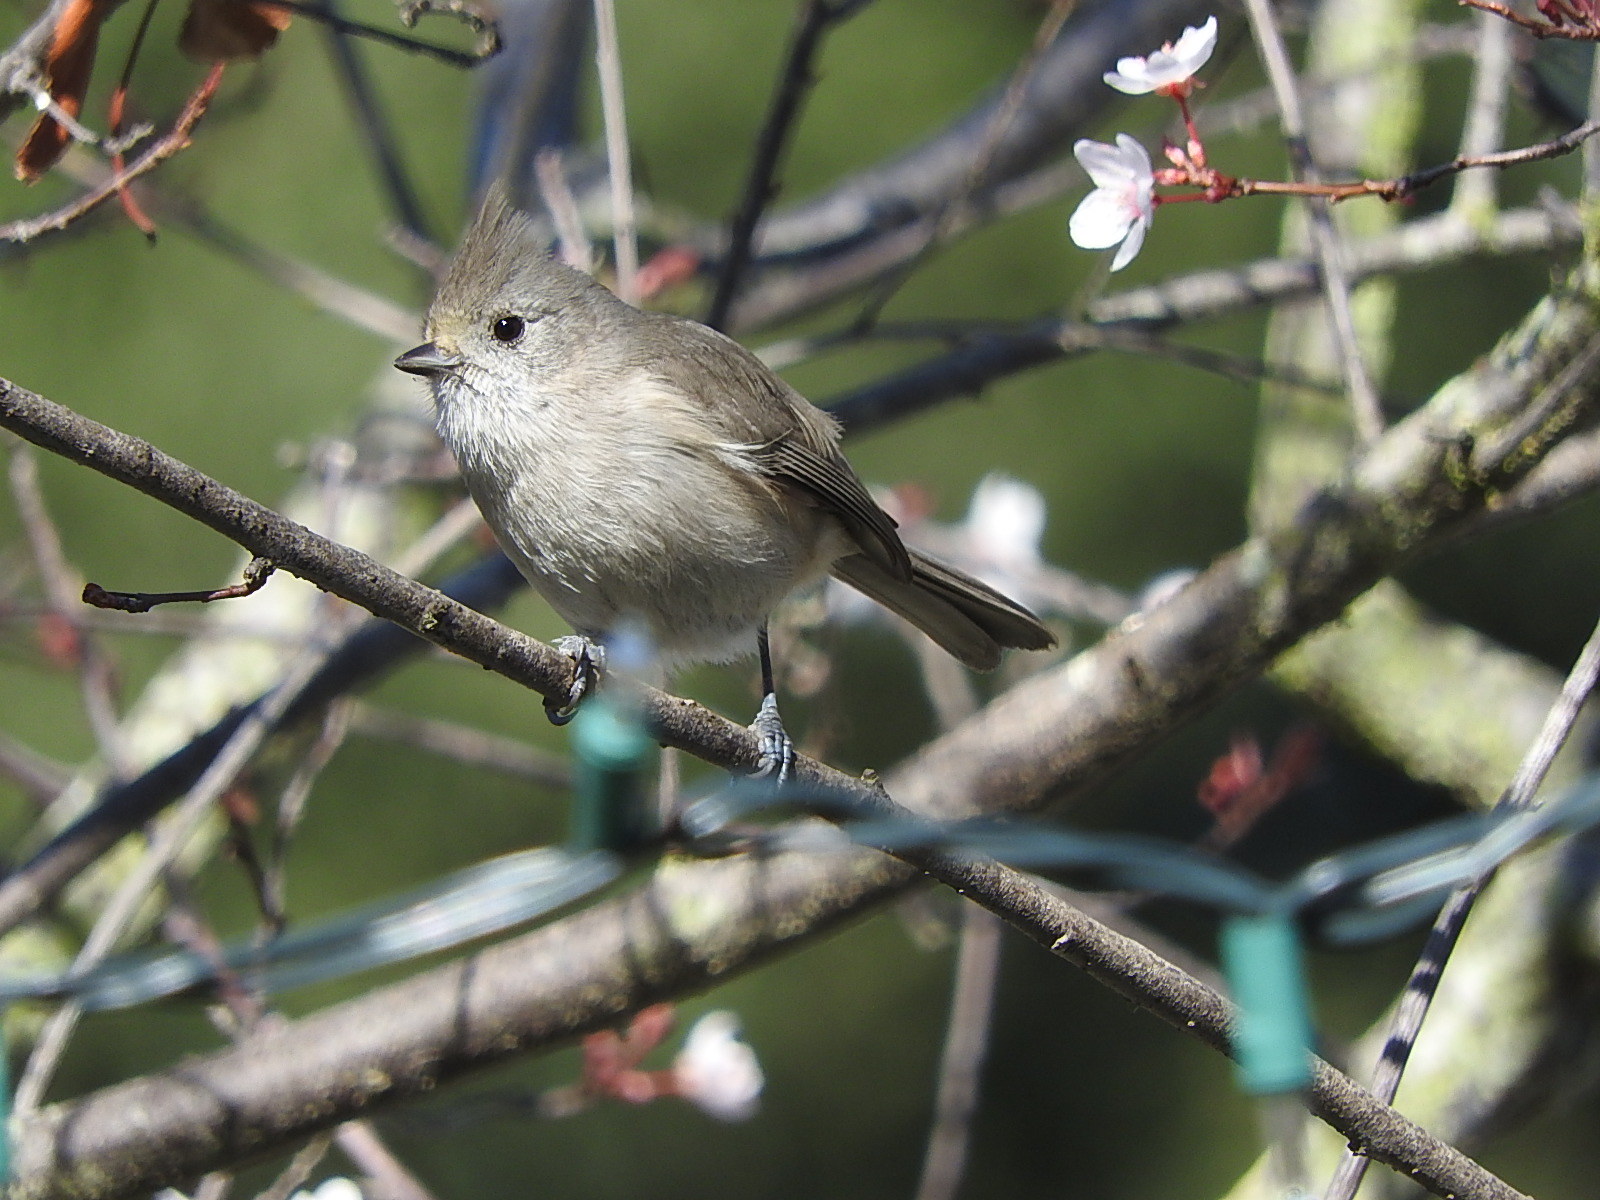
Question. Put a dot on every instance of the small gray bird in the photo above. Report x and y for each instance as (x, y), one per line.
(639, 466)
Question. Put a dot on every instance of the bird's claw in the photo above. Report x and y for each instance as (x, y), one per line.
(588, 661)
(777, 748)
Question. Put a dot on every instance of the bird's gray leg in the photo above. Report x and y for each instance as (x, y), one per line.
(588, 661)
(777, 748)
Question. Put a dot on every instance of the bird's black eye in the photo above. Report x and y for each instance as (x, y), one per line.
(508, 330)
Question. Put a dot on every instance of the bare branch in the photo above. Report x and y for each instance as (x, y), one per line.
(174, 140)
(961, 1063)
(1367, 413)
(815, 18)
(1483, 132)
(119, 808)
(38, 775)
(1187, 299)
(255, 578)
(1405, 1023)
(618, 157)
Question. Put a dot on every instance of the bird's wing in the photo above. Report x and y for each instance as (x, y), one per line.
(788, 438)
(827, 477)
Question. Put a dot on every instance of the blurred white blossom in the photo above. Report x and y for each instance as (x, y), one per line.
(1122, 205)
(1005, 522)
(335, 1187)
(716, 1071)
(1170, 68)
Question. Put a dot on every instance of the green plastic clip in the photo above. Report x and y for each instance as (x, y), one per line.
(1261, 957)
(612, 749)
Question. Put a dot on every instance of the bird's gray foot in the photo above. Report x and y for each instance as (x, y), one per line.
(588, 661)
(777, 748)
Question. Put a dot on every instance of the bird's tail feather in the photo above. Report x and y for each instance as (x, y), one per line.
(968, 618)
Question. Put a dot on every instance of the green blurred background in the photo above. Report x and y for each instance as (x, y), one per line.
(1145, 466)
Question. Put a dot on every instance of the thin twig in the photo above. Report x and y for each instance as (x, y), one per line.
(1538, 28)
(242, 1004)
(1070, 337)
(274, 896)
(562, 206)
(795, 79)
(463, 744)
(1405, 1023)
(1366, 412)
(376, 128)
(977, 974)
(41, 777)
(173, 834)
(1554, 148)
(1076, 336)
(96, 667)
(119, 99)
(965, 1048)
(362, 1146)
(176, 139)
(1218, 186)
(488, 33)
(1591, 152)
(950, 210)
(623, 229)
(1483, 131)
(256, 574)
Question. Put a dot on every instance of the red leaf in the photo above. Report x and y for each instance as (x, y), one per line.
(67, 67)
(224, 30)
(1232, 776)
(667, 268)
(58, 639)
(1241, 788)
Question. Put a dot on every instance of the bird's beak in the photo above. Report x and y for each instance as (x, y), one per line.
(428, 361)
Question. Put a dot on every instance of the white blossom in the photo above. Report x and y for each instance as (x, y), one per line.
(1005, 522)
(718, 1072)
(335, 1187)
(1172, 66)
(1122, 205)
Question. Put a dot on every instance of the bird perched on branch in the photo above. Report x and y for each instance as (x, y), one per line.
(640, 466)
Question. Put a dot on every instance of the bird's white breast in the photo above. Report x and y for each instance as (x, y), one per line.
(621, 502)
